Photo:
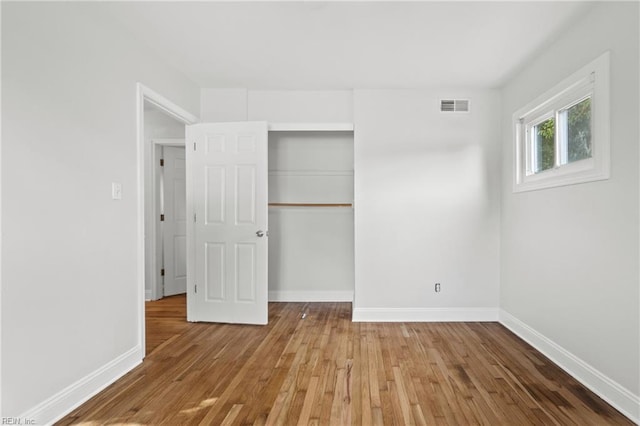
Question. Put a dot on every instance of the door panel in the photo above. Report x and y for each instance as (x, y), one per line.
(215, 195)
(214, 272)
(227, 197)
(246, 280)
(245, 201)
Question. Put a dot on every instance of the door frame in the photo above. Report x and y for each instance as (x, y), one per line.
(145, 94)
(153, 215)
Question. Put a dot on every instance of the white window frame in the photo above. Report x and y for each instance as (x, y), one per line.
(591, 81)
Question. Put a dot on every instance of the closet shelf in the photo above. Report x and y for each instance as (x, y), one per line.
(310, 205)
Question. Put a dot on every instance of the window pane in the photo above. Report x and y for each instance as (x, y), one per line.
(579, 131)
(544, 145)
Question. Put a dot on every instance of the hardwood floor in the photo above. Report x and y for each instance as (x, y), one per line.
(326, 370)
(166, 319)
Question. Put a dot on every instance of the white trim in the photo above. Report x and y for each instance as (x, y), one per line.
(143, 94)
(148, 296)
(1, 220)
(609, 390)
(592, 80)
(177, 142)
(425, 314)
(159, 101)
(311, 127)
(311, 296)
(63, 402)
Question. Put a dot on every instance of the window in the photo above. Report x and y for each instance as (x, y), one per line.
(562, 137)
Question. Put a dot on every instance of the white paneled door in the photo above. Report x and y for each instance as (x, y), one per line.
(227, 236)
(175, 220)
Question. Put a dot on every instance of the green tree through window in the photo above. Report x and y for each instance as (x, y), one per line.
(577, 123)
(579, 131)
(545, 145)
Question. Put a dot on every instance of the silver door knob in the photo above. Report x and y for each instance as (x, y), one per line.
(260, 234)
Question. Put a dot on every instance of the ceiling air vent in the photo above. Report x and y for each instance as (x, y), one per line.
(454, 105)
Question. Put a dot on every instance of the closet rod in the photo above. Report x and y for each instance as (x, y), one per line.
(310, 205)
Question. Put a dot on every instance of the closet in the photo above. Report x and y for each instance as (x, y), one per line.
(311, 239)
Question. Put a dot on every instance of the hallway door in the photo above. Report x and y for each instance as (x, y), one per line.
(175, 220)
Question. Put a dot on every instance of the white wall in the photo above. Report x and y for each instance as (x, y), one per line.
(315, 106)
(276, 106)
(157, 124)
(70, 291)
(570, 254)
(223, 105)
(427, 198)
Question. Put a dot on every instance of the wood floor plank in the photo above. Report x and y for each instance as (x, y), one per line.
(324, 369)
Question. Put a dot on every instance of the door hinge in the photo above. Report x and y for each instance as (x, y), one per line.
(194, 146)
(161, 162)
(161, 218)
(194, 217)
(162, 272)
(195, 288)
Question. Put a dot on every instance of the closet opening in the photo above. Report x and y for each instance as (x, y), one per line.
(311, 230)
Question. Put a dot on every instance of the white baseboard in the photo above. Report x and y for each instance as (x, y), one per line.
(148, 295)
(609, 390)
(62, 403)
(311, 296)
(424, 314)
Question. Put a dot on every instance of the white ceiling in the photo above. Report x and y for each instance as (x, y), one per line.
(343, 45)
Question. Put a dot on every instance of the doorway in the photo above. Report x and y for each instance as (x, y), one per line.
(160, 124)
(164, 201)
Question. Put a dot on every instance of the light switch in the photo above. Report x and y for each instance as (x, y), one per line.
(116, 191)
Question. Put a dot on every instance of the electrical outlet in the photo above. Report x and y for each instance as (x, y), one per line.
(437, 288)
